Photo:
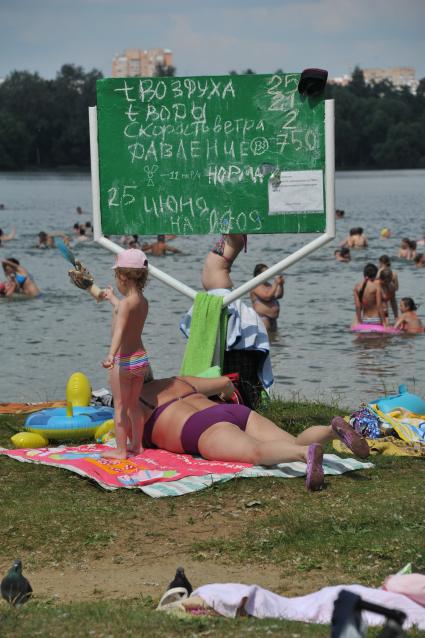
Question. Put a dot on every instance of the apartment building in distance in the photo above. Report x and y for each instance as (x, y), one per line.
(399, 76)
(140, 62)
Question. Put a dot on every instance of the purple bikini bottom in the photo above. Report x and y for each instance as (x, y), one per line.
(201, 421)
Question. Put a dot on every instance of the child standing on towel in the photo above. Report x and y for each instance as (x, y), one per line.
(127, 359)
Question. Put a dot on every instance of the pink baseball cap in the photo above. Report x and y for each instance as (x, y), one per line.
(131, 258)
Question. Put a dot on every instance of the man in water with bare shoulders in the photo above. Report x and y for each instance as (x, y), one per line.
(356, 239)
(368, 299)
(160, 248)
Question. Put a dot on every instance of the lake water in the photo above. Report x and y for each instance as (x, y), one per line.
(313, 355)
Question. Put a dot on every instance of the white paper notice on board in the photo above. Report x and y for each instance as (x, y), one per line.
(296, 192)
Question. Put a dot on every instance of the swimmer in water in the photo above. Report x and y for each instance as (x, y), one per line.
(47, 240)
(21, 278)
(368, 299)
(343, 254)
(264, 298)
(419, 260)
(385, 262)
(356, 239)
(4, 237)
(407, 249)
(388, 288)
(160, 248)
(409, 321)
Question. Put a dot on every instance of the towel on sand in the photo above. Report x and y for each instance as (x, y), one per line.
(161, 473)
(205, 327)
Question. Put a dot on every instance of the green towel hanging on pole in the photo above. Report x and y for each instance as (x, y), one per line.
(204, 331)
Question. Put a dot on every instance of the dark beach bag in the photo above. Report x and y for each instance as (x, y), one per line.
(245, 363)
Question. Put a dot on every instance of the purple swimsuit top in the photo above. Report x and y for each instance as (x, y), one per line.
(150, 423)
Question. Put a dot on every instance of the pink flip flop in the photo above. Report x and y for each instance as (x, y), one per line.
(315, 477)
(354, 441)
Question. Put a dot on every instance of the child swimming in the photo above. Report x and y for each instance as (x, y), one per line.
(127, 358)
(409, 321)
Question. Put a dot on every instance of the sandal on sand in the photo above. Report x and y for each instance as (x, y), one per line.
(354, 441)
(315, 477)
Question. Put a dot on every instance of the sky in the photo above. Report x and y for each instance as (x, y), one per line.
(212, 37)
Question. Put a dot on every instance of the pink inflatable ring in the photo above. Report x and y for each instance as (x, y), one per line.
(375, 327)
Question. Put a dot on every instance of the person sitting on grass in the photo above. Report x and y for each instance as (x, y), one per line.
(180, 417)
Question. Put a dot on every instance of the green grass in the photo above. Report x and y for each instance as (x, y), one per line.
(364, 526)
(297, 414)
(135, 618)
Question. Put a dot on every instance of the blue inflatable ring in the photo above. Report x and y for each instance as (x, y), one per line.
(404, 399)
(53, 423)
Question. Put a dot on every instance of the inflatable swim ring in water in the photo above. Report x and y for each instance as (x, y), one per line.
(68, 423)
(375, 327)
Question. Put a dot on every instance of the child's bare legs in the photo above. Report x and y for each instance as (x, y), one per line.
(121, 391)
(135, 414)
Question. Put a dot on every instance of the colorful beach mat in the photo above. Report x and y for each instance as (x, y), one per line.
(160, 473)
(24, 408)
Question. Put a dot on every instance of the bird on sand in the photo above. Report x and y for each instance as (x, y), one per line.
(15, 588)
(180, 580)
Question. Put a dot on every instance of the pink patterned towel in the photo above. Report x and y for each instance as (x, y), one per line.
(150, 467)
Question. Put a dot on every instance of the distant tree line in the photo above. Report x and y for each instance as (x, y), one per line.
(378, 125)
(44, 123)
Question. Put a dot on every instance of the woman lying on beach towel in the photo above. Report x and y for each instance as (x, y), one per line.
(179, 417)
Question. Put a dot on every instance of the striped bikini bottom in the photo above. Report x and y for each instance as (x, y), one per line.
(135, 363)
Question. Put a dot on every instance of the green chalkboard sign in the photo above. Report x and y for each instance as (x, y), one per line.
(198, 155)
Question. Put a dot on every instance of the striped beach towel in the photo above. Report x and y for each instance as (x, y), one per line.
(160, 473)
